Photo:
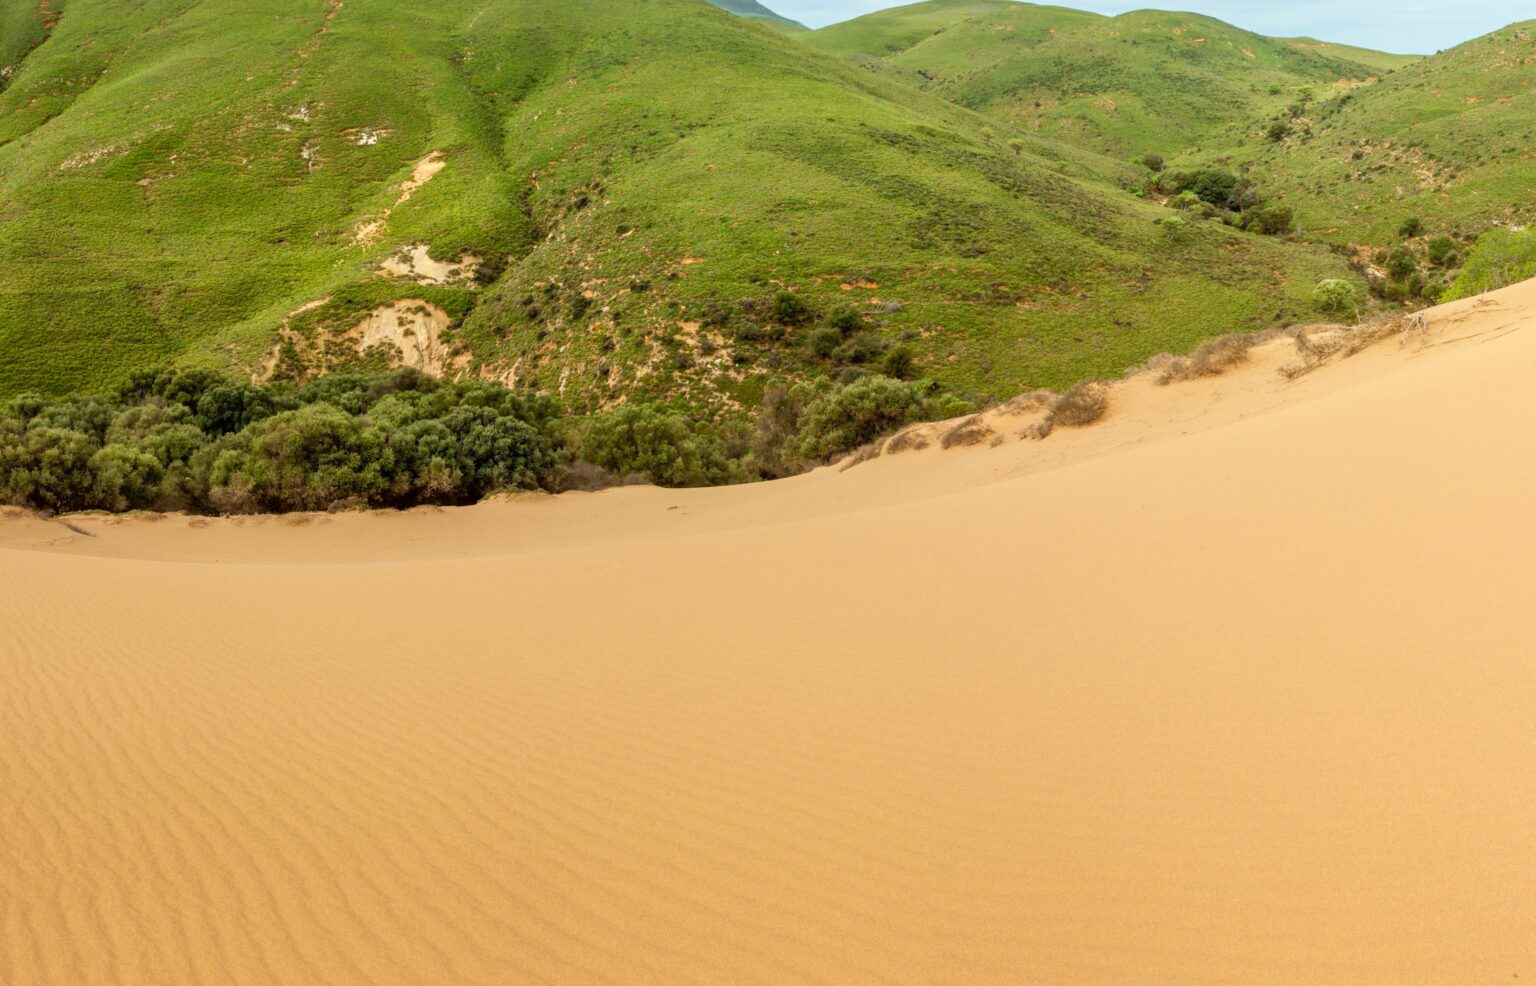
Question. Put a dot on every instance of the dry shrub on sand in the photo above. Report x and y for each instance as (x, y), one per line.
(1082, 405)
(1040, 429)
(1213, 358)
(1030, 403)
(1316, 345)
(860, 455)
(585, 477)
(910, 440)
(971, 431)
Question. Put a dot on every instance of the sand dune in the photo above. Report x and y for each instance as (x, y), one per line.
(1234, 687)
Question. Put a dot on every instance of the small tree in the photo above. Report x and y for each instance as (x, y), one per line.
(1276, 220)
(1442, 251)
(1336, 297)
(790, 309)
(1402, 264)
(1173, 227)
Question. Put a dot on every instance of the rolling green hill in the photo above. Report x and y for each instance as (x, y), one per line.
(752, 10)
(1382, 61)
(1143, 82)
(601, 199)
(1449, 140)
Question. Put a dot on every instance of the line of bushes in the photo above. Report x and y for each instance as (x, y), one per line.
(198, 441)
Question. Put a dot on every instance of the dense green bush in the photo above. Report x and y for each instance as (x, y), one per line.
(790, 309)
(197, 441)
(1500, 257)
(665, 445)
(835, 420)
(1442, 251)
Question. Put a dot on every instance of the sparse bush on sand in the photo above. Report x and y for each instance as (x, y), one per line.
(1082, 405)
(1213, 358)
(969, 431)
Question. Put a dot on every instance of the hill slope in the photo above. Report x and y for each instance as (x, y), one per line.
(597, 198)
(1143, 82)
(753, 10)
(1449, 139)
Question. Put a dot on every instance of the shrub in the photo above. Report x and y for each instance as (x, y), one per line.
(1336, 297)
(174, 439)
(1082, 405)
(790, 309)
(1211, 358)
(1173, 226)
(1411, 227)
(897, 363)
(1275, 220)
(823, 342)
(846, 320)
(1500, 257)
(666, 446)
(1153, 162)
(1402, 264)
(1442, 251)
(838, 420)
(1211, 185)
(126, 478)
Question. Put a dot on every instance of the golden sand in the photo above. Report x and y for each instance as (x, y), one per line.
(1235, 687)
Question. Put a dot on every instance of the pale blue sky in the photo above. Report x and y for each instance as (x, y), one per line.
(1408, 26)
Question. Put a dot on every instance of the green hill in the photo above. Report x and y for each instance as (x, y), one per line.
(1447, 140)
(600, 199)
(1143, 82)
(1382, 61)
(753, 10)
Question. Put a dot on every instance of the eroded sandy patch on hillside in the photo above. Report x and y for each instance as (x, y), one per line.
(416, 263)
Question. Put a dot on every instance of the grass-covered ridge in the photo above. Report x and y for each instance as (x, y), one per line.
(1143, 82)
(753, 10)
(1449, 141)
(620, 194)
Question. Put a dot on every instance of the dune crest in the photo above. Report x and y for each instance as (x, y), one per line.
(1233, 686)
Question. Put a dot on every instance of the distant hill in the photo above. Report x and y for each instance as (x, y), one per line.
(596, 198)
(1449, 139)
(755, 11)
(1143, 82)
(1380, 60)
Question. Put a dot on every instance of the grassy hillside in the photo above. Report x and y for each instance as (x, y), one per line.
(753, 10)
(1143, 82)
(23, 26)
(1382, 61)
(613, 201)
(1449, 140)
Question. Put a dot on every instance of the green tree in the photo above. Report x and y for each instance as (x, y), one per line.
(1336, 297)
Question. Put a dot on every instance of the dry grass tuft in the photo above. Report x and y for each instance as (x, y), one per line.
(581, 476)
(910, 440)
(1213, 358)
(1030, 403)
(1317, 345)
(1040, 430)
(971, 431)
(1082, 405)
(859, 456)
